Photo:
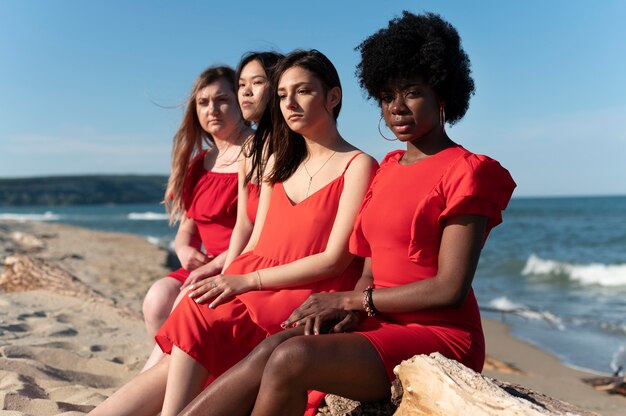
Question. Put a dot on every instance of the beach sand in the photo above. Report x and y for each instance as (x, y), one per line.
(63, 354)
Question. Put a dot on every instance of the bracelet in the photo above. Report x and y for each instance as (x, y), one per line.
(259, 284)
(368, 303)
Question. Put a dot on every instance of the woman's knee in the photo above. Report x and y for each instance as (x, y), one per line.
(159, 300)
(291, 359)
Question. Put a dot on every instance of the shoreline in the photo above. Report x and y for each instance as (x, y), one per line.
(41, 332)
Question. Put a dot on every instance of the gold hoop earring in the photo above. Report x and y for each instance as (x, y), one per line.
(442, 117)
(381, 133)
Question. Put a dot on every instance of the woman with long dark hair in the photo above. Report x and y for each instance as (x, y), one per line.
(254, 74)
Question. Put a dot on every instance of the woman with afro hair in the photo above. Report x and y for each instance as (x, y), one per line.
(420, 229)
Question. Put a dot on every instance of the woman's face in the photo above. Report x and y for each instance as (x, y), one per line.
(253, 91)
(217, 109)
(410, 108)
(304, 103)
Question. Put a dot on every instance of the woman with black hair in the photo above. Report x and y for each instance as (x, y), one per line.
(421, 229)
(254, 74)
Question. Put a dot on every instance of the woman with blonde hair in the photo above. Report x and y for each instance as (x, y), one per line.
(202, 188)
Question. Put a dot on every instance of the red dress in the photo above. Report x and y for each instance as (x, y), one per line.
(415, 201)
(210, 199)
(254, 192)
(219, 338)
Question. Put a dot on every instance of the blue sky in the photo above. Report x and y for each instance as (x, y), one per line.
(79, 80)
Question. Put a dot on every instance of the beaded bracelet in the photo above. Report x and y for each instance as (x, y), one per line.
(368, 303)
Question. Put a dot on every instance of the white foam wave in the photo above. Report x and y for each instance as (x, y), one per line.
(618, 362)
(585, 274)
(46, 216)
(153, 240)
(504, 304)
(147, 216)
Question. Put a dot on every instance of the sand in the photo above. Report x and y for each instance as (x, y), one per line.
(64, 354)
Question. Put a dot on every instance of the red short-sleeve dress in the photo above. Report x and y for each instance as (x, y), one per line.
(210, 199)
(415, 201)
(219, 338)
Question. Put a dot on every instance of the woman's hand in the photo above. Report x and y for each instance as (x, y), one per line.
(191, 258)
(201, 273)
(324, 312)
(221, 287)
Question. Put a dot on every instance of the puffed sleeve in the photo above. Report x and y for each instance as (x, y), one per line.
(472, 185)
(358, 243)
(478, 185)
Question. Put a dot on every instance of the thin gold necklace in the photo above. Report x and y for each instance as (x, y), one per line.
(318, 171)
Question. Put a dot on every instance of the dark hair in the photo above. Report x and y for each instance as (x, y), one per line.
(424, 46)
(289, 147)
(259, 149)
(189, 137)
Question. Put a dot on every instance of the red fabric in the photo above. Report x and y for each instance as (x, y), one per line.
(415, 201)
(290, 232)
(254, 192)
(211, 201)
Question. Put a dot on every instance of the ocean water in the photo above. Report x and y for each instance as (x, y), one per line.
(555, 270)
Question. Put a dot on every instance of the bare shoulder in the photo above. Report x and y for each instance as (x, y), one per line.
(361, 163)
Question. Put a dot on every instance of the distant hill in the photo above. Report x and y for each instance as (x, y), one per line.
(82, 190)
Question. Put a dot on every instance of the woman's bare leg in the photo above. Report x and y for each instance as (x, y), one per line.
(185, 379)
(143, 395)
(234, 392)
(158, 303)
(343, 364)
(156, 355)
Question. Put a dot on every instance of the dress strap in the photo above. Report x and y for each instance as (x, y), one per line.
(350, 161)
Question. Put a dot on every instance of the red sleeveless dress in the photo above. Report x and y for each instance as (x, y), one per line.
(415, 201)
(219, 338)
(254, 192)
(211, 201)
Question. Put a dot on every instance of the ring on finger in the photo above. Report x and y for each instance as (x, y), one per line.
(213, 285)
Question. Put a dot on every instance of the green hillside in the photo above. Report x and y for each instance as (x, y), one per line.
(82, 190)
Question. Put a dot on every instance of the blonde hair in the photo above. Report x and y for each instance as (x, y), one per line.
(188, 141)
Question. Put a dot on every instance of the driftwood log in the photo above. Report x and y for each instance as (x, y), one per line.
(22, 273)
(434, 385)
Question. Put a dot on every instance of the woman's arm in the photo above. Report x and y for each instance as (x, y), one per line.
(461, 244)
(243, 226)
(332, 261)
(186, 245)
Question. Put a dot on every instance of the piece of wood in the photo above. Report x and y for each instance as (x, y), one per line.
(22, 273)
(434, 385)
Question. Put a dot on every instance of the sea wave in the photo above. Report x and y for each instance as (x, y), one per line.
(147, 216)
(153, 240)
(585, 274)
(46, 216)
(504, 304)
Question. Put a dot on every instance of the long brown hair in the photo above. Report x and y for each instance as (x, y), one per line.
(289, 147)
(188, 140)
(259, 148)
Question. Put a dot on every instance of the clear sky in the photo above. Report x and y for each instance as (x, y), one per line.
(79, 80)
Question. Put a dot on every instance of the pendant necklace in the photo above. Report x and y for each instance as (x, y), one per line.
(318, 171)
